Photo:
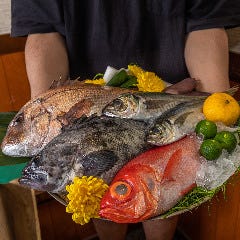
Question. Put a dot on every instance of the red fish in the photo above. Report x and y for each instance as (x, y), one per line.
(153, 182)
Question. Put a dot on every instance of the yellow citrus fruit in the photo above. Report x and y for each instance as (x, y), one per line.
(221, 107)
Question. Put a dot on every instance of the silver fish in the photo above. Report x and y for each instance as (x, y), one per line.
(144, 106)
(98, 146)
(175, 123)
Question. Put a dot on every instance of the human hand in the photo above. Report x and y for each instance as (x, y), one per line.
(186, 87)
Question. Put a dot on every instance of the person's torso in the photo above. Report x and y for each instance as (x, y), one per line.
(150, 33)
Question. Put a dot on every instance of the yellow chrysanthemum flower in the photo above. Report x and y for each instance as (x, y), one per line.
(135, 70)
(150, 82)
(84, 198)
(147, 81)
(99, 81)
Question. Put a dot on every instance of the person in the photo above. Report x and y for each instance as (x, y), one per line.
(175, 39)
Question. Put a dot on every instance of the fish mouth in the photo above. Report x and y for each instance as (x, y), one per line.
(16, 150)
(116, 215)
(29, 183)
(34, 184)
(35, 179)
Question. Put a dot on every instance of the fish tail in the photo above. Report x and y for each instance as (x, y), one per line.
(231, 91)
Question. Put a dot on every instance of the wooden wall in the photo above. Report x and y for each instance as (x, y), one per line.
(218, 219)
(14, 87)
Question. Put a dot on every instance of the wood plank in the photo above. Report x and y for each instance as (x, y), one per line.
(16, 77)
(59, 216)
(237, 231)
(46, 223)
(217, 219)
(56, 224)
(5, 100)
(227, 213)
(87, 231)
(11, 45)
(5, 230)
(21, 211)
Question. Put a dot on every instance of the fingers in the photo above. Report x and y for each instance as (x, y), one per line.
(187, 85)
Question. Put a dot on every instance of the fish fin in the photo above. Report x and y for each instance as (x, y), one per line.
(178, 109)
(182, 118)
(231, 91)
(75, 112)
(63, 82)
(98, 162)
(171, 166)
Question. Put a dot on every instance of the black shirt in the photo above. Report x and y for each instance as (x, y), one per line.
(98, 33)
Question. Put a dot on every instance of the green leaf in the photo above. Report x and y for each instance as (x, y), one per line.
(131, 82)
(118, 79)
(8, 160)
(97, 76)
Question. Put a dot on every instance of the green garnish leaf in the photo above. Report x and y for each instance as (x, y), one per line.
(118, 79)
(98, 75)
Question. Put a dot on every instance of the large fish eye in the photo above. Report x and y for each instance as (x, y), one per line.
(119, 105)
(156, 130)
(120, 190)
(18, 119)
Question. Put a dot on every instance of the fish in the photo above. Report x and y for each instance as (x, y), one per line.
(175, 123)
(150, 105)
(153, 182)
(145, 105)
(42, 118)
(96, 146)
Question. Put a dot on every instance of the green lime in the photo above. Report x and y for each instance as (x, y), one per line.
(210, 149)
(227, 140)
(206, 128)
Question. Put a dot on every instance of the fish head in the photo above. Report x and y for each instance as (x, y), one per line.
(129, 198)
(162, 133)
(28, 130)
(175, 123)
(124, 106)
(50, 170)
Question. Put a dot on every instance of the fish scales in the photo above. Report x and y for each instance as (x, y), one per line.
(153, 182)
(98, 146)
(145, 106)
(42, 118)
(175, 123)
